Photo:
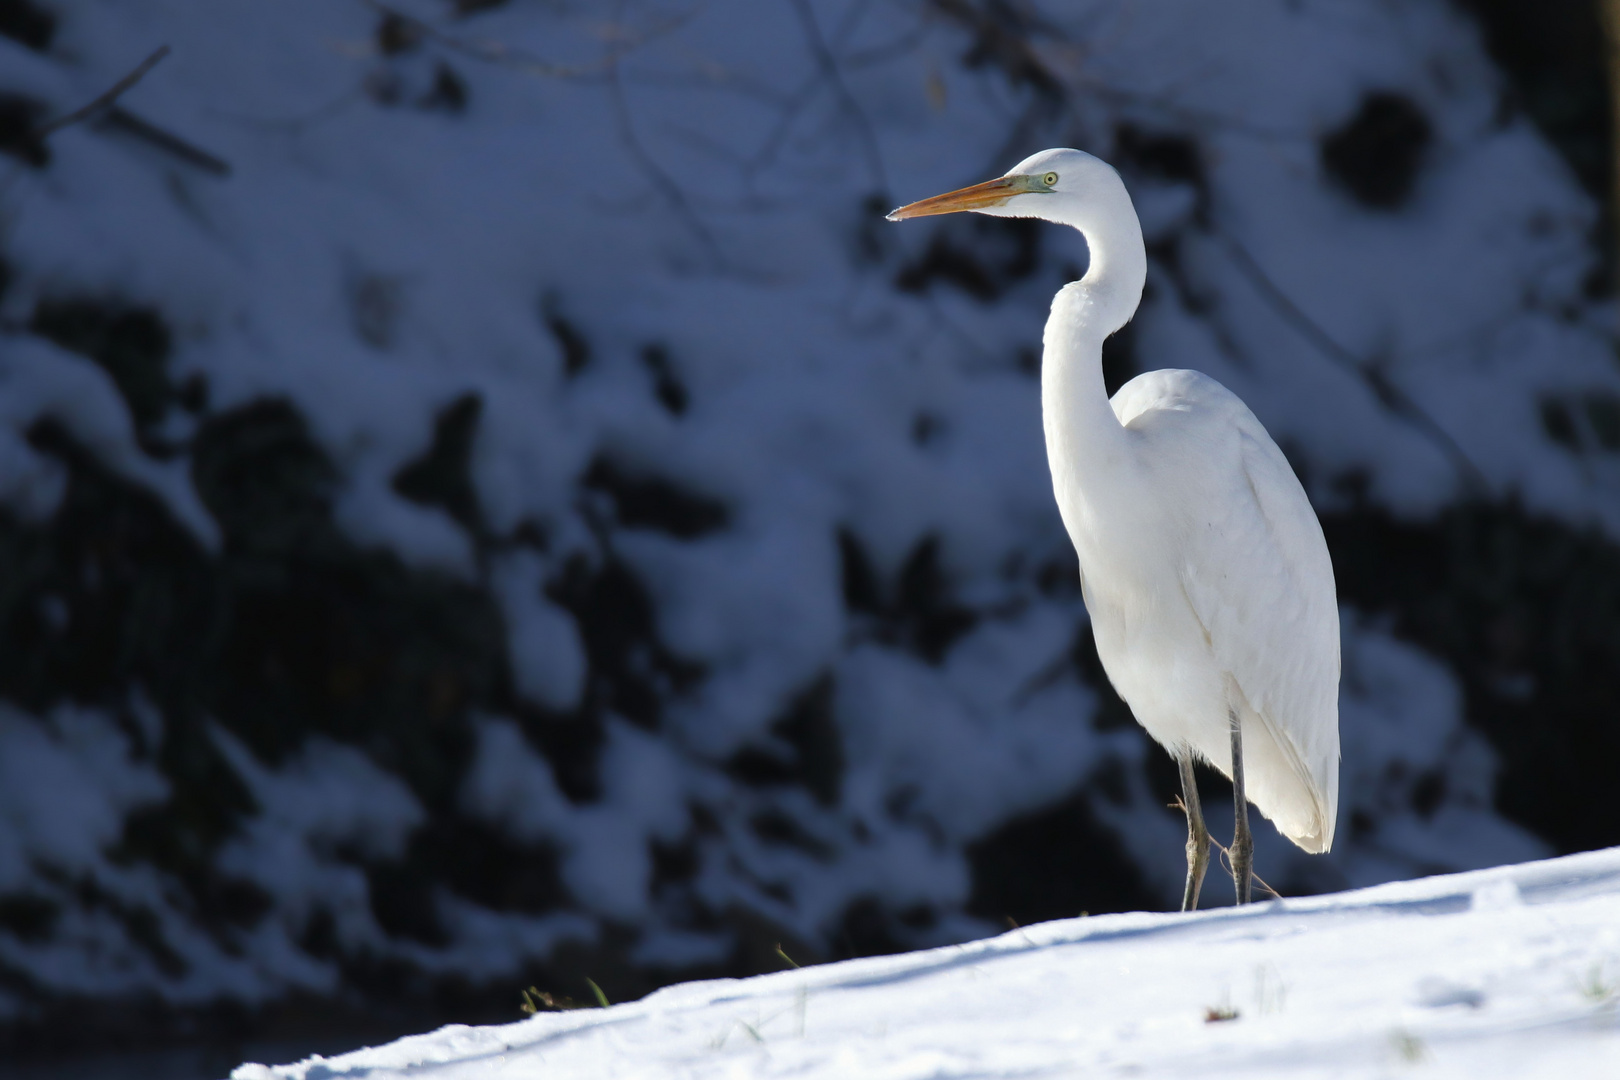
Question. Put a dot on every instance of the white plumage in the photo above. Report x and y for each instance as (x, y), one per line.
(1231, 599)
(1204, 568)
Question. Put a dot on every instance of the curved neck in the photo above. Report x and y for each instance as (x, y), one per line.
(1118, 268)
(1082, 433)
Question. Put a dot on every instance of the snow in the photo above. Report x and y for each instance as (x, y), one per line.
(40, 381)
(330, 799)
(548, 659)
(1510, 972)
(74, 750)
(693, 179)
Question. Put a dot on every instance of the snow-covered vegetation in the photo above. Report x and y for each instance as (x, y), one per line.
(488, 501)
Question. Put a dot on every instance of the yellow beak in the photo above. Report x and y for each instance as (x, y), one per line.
(990, 193)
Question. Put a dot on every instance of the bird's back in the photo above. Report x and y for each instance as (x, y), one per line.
(1243, 612)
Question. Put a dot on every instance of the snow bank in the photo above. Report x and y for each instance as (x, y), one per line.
(1513, 972)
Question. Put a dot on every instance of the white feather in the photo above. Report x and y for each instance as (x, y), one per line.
(1248, 554)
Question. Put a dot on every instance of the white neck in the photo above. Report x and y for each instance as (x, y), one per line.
(1083, 436)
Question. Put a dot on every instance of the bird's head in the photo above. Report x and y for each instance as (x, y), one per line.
(1067, 187)
(1057, 185)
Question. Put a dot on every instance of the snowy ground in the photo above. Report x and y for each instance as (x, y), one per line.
(1507, 972)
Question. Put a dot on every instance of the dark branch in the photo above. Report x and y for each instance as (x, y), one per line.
(829, 64)
(1391, 396)
(665, 183)
(106, 98)
(495, 52)
(124, 120)
(489, 52)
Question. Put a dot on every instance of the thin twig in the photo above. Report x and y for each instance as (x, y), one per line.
(1226, 854)
(1226, 861)
(792, 106)
(106, 105)
(1189, 114)
(1002, 48)
(495, 52)
(608, 66)
(295, 124)
(1018, 59)
(665, 183)
(490, 52)
(888, 50)
(766, 154)
(829, 64)
(1045, 677)
(106, 97)
(122, 118)
(713, 78)
(1395, 399)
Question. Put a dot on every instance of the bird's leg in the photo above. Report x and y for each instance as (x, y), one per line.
(1197, 835)
(1242, 842)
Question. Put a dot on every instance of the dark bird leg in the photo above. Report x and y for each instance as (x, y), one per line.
(1242, 842)
(1197, 835)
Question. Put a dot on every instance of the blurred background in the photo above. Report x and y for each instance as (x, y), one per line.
(486, 502)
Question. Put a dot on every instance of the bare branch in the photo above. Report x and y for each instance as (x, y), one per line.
(1002, 47)
(665, 183)
(766, 153)
(105, 99)
(495, 52)
(126, 121)
(800, 99)
(829, 64)
(1391, 396)
(1226, 856)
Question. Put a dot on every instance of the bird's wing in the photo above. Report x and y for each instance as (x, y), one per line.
(1256, 571)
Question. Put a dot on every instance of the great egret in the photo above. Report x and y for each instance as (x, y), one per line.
(1202, 564)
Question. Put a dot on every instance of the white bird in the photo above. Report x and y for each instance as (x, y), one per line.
(1202, 564)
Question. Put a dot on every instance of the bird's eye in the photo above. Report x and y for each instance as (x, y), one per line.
(1049, 179)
